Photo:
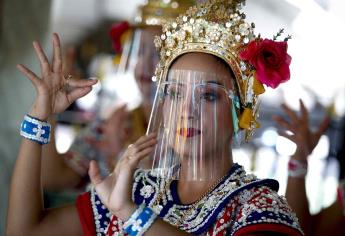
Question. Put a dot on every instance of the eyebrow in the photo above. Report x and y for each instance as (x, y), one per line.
(214, 82)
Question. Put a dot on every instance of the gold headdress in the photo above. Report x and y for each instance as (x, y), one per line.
(218, 27)
(156, 12)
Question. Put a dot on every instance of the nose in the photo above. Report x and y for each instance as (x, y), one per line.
(188, 111)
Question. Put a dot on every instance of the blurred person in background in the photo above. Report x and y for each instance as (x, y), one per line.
(296, 127)
(208, 89)
(104, 140)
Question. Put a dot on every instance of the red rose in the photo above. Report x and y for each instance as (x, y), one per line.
(270, 60)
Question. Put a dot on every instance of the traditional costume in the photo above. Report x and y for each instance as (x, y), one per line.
(238, 203)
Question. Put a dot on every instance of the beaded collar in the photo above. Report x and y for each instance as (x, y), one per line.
(238, 201)
(198, 217)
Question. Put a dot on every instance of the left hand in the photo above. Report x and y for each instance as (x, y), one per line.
(305, 139)
(115, 190)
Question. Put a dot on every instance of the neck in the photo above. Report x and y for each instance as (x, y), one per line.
(204, 183)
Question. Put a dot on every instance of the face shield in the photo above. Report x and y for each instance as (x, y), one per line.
(145, 61)
(192, 116)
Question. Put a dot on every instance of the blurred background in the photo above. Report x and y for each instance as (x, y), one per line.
(317, 49)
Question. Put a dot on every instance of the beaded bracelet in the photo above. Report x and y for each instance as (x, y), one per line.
(140, 221)
(35, 129)
(297, 168)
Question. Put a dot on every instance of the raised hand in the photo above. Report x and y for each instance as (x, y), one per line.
(302, 135)
(55, 91)
(115, 190)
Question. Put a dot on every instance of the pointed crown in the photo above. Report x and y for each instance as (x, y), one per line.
(216, 27)
(156, 12)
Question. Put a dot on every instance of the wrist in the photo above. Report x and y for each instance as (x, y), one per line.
(301, 156)
(38, 114)
(40, 108)
(35, 129)
(297, 168)
(126, 211)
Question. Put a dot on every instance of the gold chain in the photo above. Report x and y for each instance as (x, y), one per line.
(211, 188)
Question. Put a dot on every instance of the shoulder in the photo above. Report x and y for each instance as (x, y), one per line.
(259, 208)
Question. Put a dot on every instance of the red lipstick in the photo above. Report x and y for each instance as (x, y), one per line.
(189, 132)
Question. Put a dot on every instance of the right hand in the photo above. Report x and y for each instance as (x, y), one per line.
(115, 190)
(54, 92)
(305, 139)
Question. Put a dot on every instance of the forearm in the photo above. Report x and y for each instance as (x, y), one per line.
(56, 174)
(297, 197)
(25, 200)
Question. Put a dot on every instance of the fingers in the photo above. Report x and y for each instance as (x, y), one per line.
(94, 173)
(304, 111)
(323, 126)
(282, 122)
(291, 114)
(30, 75)
(150, 142)
(286, 135)
(141, 148)
(79, 83)
(57, 55)
(145, 138)
(44, 63)
(143, 153)
(78, 93)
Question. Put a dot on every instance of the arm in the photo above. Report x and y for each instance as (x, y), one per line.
(72, 166)
(25, 211)
(306, 141)
(54, 164)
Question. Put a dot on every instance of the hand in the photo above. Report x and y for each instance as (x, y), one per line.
(54, 92)
(113, 135)
(115, 190)
(305, 139)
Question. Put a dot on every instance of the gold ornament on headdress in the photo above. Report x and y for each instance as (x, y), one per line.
(156, 12)
(216, 27)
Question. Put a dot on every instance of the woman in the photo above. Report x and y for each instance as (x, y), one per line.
(206, 80)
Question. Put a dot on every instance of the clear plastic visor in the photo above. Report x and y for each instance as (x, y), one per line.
(192, 117)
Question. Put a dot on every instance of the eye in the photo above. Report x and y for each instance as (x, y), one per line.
(209, 96)
(172, 93)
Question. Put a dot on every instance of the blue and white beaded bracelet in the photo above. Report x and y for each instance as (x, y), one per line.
(35, 129)
(140, 221)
